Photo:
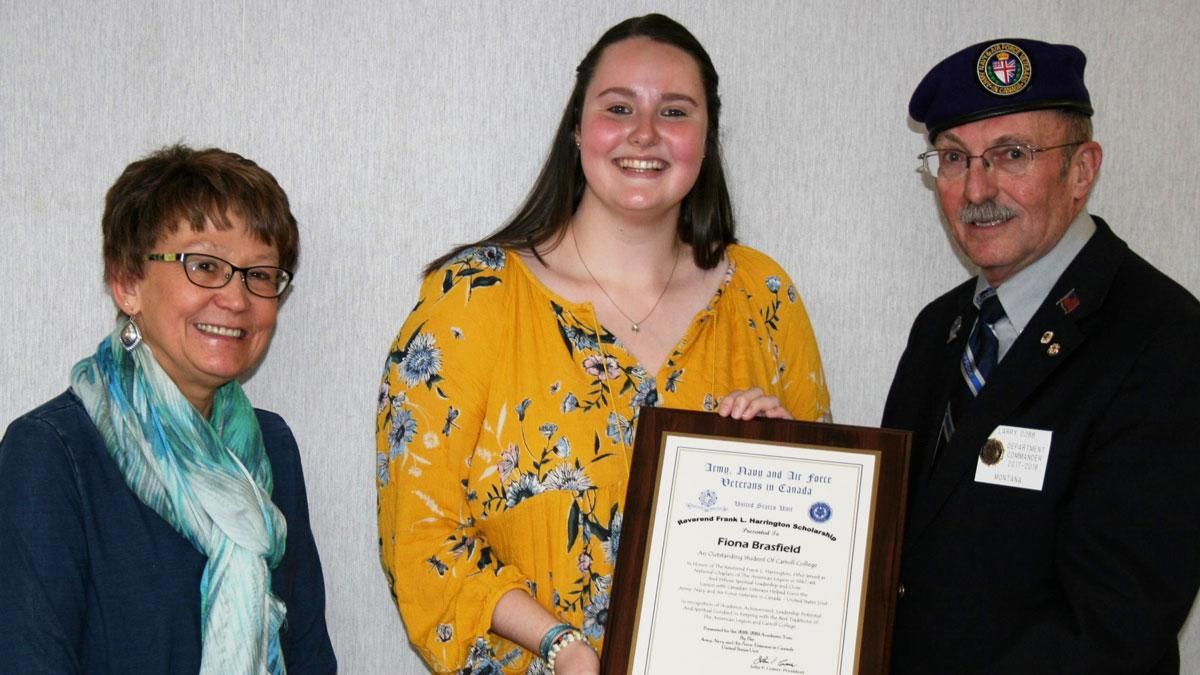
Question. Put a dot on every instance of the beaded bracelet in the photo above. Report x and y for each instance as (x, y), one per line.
(550, 637)
(561, 640)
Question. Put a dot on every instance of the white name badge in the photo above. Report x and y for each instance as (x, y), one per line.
(1014, 456)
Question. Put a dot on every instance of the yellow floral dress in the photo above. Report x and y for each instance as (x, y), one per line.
(504, 430)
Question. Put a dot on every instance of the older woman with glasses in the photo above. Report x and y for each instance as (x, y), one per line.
(151, 520)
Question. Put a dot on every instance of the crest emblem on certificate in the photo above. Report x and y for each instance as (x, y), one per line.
(1004, 69)
(820, 512)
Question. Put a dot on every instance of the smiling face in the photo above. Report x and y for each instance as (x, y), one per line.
(1004, 223)
(202, 337)
(642, 130)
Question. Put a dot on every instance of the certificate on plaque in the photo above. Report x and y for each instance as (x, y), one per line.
(760, 546)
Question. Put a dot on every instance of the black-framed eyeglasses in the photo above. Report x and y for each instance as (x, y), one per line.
(1010, 158)
(209, 271)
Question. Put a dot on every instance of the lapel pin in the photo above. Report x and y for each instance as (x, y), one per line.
(954, 328)
(1047, 337)
(1069, 302)
(992, 451)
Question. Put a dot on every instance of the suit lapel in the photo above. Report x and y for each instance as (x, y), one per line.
(957, 331)
(1046, 343)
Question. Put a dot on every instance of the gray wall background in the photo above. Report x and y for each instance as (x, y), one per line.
(400, 128)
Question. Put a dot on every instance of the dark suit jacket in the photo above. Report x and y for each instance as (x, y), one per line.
(1095, 572)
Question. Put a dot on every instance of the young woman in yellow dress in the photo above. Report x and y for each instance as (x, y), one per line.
(510, 395)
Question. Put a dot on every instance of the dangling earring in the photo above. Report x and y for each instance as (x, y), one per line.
(130, 336)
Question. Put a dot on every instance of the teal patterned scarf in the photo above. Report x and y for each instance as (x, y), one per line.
(211, 480)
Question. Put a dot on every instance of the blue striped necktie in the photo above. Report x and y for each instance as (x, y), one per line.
(980, 356)
(976, 365)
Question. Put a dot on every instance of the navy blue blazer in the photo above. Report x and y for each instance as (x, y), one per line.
(94, 581)
(1095, 572)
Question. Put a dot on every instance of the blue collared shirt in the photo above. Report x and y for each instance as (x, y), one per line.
(1022, 293)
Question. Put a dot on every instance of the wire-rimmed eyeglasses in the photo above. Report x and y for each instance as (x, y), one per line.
(1010, 158)
(209, 271)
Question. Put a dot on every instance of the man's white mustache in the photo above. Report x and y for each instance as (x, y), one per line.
(987, 212)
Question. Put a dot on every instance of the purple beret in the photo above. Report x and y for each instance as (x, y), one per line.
(1000, 77)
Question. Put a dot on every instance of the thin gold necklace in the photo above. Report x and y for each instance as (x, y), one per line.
(634, 324)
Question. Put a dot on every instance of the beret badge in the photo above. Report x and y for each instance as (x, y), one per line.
(1004, 69)
(994, 78)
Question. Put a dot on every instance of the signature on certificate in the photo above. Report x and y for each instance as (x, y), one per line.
(774, 663)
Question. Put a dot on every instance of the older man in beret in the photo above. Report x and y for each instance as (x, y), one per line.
(1054, 499)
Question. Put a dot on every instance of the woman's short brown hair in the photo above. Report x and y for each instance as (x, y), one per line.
(178, 184)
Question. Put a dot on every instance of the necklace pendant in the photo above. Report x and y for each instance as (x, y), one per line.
(635, 328)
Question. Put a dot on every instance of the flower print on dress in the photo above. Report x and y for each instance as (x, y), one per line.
(567, 477)
(576, 335)
(521, 408)
(401, 428)
(474, 263)
(602, 367)
(404, 428)
(382, 464)
(384, 399)
(477, 257)
(570, 402)
(464, 545)
(422, 360)
(604, 370)
(526, 486)
(595, 616)
(482, 660)
(619, 429)
(579, 339)
(508, 461)
(602, 583)
(770, 310)
(647, 394)
(489, 257)
(614, 538)
(561, 455)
